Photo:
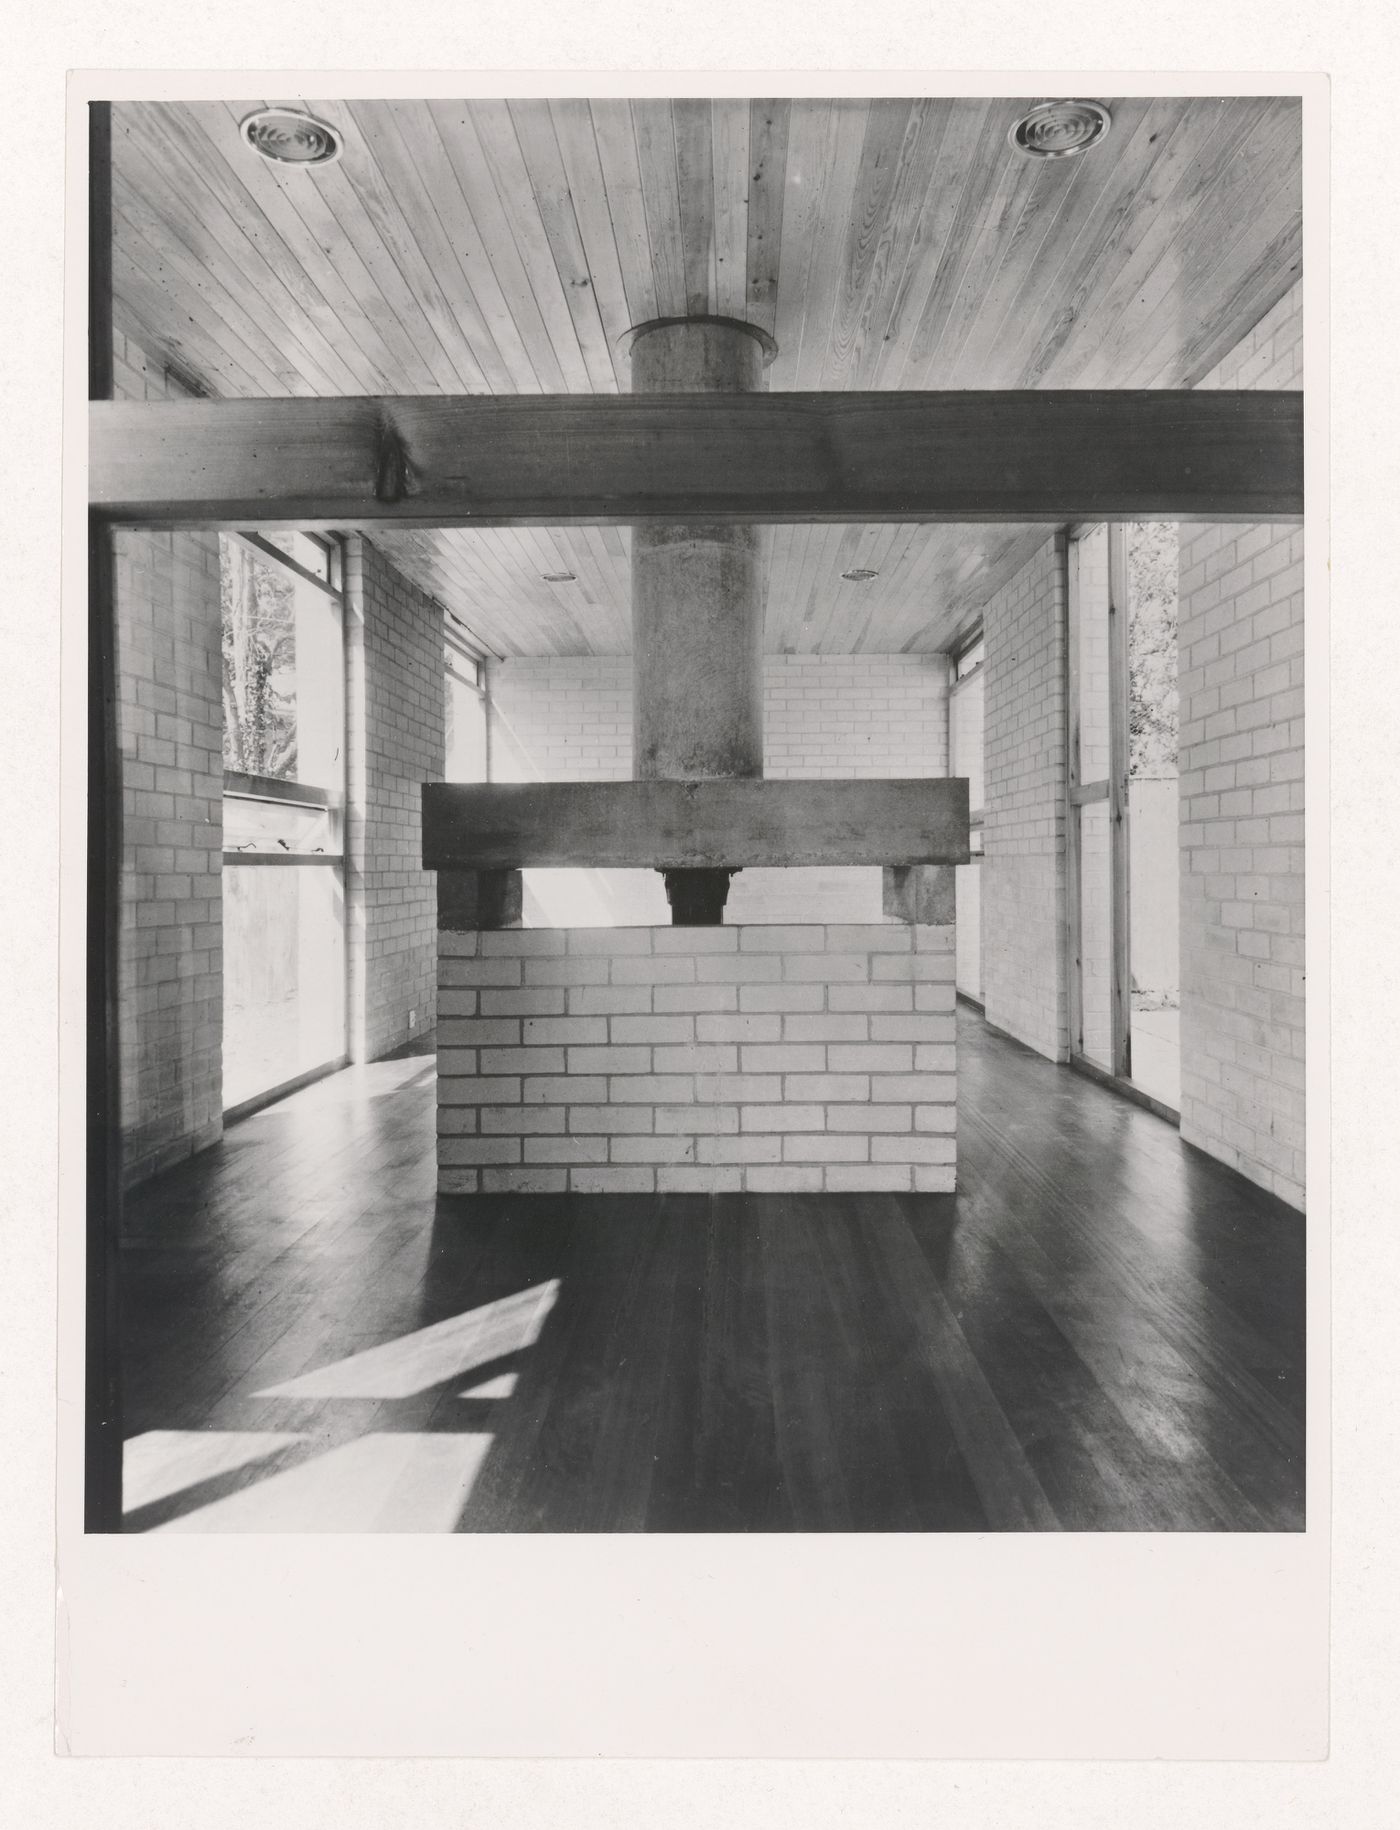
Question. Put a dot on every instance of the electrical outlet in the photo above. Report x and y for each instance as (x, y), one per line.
(413, 1019)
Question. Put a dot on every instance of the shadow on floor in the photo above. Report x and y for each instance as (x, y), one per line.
(1103, 1330)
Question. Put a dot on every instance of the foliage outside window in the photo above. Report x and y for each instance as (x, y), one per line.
(283, 662)
(1154, 712)
(258, 607)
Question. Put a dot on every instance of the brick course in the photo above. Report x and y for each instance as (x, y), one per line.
(170, 731)
(1023, 871)
(771, 1074)
(569, 718)
(1241, 761)
(395, 742)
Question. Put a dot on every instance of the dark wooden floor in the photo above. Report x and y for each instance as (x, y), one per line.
(1102, 1331)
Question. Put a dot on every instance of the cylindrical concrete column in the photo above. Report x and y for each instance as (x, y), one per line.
(697, 588)
(697, 603)
(697, 660)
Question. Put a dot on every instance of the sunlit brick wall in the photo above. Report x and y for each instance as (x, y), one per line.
(1241, 681)
(632, 1060)
(395, 740)
(1023, 888)
(569, 718)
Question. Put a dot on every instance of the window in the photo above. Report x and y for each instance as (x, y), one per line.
(969, 658)
(464, 690)
(284, 790)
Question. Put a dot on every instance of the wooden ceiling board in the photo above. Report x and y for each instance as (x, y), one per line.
(209, 249)
(506, 247)
(729, 147)
(769, 127)
(653, 125)
(1087, 250)
(298, 240)
(963, 139)
(839, 175)
(1117, 287)
(154, 282)
(1215, 198)
(891, 241)
(554, 202)
(1193, 311)
(615, 140)
(537, 321)
(415, 167)
(582, 172)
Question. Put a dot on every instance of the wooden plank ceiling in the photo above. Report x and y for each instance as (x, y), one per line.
(505, 247)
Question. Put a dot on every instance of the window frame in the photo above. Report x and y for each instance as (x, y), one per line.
(276, 791)
(239, 784)
(1112, 788)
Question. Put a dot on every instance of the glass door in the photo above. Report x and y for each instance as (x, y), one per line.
(284, 790)
(1121, 823)
(1096, 827)
(1154, 864)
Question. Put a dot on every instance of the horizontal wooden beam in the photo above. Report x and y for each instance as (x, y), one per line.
(700, 825)
(552, 460)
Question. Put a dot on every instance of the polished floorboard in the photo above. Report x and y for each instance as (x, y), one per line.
(1102, 1331)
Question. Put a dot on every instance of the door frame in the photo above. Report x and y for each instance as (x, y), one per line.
(1112, 788)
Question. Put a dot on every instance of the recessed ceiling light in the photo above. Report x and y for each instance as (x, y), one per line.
(1059, 130)
(288, 137)
(557, 578)
(860, 575)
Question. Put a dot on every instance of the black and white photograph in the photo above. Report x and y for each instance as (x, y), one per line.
(696, 815)
(699, 1052)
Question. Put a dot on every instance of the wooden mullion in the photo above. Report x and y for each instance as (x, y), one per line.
(1119, 762)
(102, 1482)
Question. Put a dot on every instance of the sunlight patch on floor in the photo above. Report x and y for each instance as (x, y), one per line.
(502, 1386)
(403, 1481)
(430, 1356)
(160, 1463)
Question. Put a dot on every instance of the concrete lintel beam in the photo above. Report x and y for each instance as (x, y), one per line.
(694, 825)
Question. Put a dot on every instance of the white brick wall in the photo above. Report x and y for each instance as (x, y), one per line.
(1023, 889)
(395, 742)
(876, 716)
(1241, 683)
(170, 730)
(697, 1059)
(838, 716)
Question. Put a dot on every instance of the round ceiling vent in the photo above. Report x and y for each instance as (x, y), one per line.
(860, 575)
(288, 137)
(1059, 130)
